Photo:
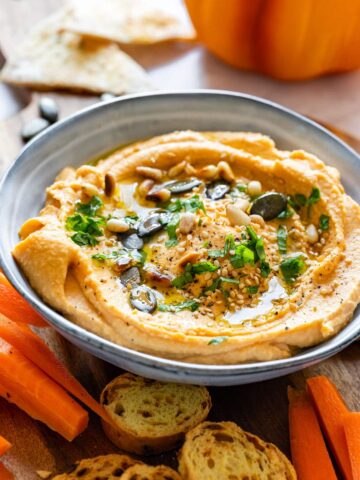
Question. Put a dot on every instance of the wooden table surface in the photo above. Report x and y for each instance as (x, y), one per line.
(260, 408)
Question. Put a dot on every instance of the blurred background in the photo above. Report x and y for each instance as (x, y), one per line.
(303, 54)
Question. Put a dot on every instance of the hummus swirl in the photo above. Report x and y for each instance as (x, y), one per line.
(211, 248)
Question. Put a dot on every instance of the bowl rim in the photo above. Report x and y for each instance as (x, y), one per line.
(60, 323)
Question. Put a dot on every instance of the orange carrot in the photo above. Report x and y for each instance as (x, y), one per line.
(36, 350)
(330, 408)
(15, 307)
(23, 383)
(308, 450)
(4, 445)
(351, 422)
(5, 474)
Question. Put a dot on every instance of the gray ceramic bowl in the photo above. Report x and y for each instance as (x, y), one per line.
(100, 128)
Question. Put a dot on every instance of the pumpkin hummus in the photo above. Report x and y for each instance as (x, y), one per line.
(212, 248)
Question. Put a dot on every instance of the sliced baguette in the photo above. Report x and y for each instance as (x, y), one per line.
(110, 467)
(216, 451)
(150, 416)
(146, 472)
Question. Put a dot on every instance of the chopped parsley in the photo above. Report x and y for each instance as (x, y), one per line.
(246, 253)
(292, 267)
(91, 208)
(287, 213)
(190, 271)
(131, 219)
(241, 187)
(324, 222)
(217, 340)
(242, 256)
(314, 197)
(193, 204)
(185, 278)
(211, 288)
(216, 253)
(282, 239)
(206, 244)
(86, 222)
(138, 256)
(252, 289)
(171, 230)
(234, 281)
(178, 307)
(265, 269)
(299, 200)
(203, 267)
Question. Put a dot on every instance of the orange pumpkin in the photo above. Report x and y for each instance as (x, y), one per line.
(287, 39)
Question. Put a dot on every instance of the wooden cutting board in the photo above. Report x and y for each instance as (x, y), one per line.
(260, 408)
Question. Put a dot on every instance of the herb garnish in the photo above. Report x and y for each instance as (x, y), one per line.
(292, 267)
(91, 208)
(299, 200)
(324, 222)
(171, 230)
(217, 340)
(131, 219)
(86, 223)
(185, 278)
(193, 204)
(252, 289)
(138, 256)
(314, 197)
(246, 253)
(177, 307)
(287, 213)
(282, 239)
(203, 267)
(190, 271)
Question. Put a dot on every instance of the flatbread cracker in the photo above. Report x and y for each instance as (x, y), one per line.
(130, 21)
(51, 59)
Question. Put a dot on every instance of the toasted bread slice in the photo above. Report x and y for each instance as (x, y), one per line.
(110, 467)
(214, 451)
(146, 472)
(151, 416)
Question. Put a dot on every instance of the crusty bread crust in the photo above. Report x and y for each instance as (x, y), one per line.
(213, 451)
(152, 417)
(146, 472)
(110, 466)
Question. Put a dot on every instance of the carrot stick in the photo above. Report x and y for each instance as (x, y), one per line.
(5, 474)
(330, 408)
(36, 350)
(15, 307)
(308, 450)
(23, 383)
(351, 422)
(4, 446)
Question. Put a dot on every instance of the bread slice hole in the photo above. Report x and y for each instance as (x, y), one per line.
(119, 409)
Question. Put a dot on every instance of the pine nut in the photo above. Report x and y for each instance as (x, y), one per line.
(110, 184)
(90, 189)
(208, 172)
(312, 233)
(237, 216)
(150, 172)
(257, 219)
(254, 188)
(177, 169)
(145, 187)
(226, 172)
(117, 226)
(187, 222)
